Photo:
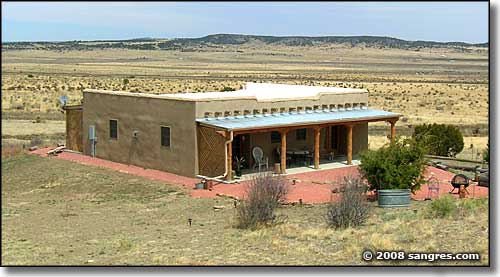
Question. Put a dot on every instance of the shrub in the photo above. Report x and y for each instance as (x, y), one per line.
(227, 89)
(36, 141)
(263, 195)
(439, 139)
(352, 207)
(447, 206)
(11, 150)
(399, 165)
(443, 206)
(125, 81)
(486, 153)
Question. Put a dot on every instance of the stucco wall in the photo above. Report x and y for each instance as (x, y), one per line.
(359, 138)
(145, 115)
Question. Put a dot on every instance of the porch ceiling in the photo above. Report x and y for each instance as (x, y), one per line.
(278, 120)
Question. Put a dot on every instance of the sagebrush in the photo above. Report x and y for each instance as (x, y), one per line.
(352, 208)
(263, 195)
(444, 206)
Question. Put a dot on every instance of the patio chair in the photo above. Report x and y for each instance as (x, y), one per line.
(260, 160)
(309, 157)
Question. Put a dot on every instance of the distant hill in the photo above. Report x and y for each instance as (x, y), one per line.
(218, 40)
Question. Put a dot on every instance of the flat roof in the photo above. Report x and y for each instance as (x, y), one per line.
(260, 121)
(261, 92)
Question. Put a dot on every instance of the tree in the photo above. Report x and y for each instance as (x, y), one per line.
(439, 139)
(486, 153)
(399, 165)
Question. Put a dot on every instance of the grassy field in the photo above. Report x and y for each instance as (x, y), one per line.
(427, 85)
(58, 212)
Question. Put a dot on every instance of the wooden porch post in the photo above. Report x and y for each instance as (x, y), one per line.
(283, 151)
(317, 133)
(349, 143)
(393, 130)
(229, 161)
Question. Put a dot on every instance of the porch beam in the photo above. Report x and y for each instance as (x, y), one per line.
(317, 133)
(310, 125)
(283, 151)
(349, 143)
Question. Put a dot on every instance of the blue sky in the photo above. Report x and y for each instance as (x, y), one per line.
(53, 21)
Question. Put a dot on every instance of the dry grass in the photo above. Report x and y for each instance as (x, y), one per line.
(30, 127)
(431, 85)
(96, 216)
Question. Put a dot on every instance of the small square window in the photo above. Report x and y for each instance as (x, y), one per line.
(300, 134)
(113, 129)
(275, 137)
(165, 136)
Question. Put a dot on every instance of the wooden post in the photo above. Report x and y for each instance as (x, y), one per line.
(393, 131)
(349, 144)
(229, 161)
(283, 151)
(317, 133)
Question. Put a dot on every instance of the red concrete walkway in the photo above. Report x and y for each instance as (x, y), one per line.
(130, 169)
(311, 187)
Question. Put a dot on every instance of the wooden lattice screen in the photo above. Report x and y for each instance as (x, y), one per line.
(210, 152)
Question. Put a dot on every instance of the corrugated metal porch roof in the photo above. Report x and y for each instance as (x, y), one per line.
(251, 122)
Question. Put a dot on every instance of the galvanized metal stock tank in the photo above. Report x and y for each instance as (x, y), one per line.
(393, 198)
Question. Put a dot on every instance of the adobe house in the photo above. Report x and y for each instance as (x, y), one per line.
(194, 134)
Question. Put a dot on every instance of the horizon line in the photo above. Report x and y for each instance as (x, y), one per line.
(282, 36)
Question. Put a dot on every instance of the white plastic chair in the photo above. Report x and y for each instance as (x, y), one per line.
(260, 160)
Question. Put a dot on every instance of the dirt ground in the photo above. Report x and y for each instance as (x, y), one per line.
(57, 212)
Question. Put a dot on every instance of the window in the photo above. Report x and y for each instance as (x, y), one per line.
(275, 137)
(165, 136)
(113, 129)
(301, 134)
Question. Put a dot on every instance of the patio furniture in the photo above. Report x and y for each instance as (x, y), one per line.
(309, 158)
(260, 160)
(432, 187)
(459, 180)
(288, 158)
(484, 179)
(304, 155)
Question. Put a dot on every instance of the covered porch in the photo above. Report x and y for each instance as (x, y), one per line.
(291, 142)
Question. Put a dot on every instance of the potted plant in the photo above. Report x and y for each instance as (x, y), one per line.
(239, 162)
(394, 171)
